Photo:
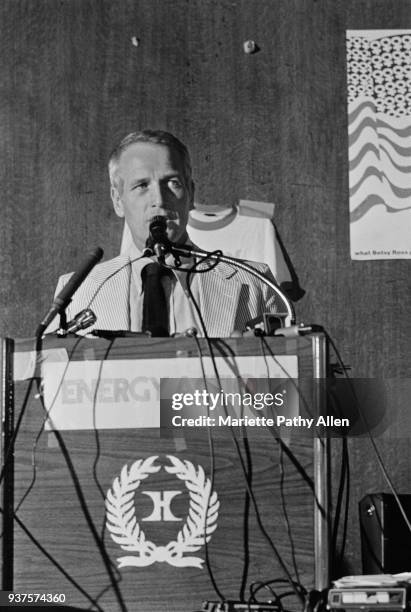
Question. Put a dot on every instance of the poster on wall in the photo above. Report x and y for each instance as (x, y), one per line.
(379, 143)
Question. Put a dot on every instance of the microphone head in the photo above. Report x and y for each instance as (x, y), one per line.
(84, 319)
(97, 253)
(158, 241)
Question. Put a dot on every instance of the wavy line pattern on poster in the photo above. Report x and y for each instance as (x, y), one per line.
(379, 123)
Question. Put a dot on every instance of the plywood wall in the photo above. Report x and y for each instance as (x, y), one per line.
(268, 126)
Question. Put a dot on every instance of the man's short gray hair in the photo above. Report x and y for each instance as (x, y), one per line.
(156, 137)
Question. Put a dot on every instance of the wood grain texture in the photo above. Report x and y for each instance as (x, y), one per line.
(47, 502)
(269, 126)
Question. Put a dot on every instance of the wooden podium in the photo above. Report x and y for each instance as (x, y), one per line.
(113, 515)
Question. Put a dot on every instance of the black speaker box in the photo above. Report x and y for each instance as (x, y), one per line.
(385, 537)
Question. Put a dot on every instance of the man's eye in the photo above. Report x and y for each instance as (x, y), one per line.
(176, 183)
(141, 186)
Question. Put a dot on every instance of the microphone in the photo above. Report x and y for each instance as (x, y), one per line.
(158, 241)
(62, 300)
(84, 319)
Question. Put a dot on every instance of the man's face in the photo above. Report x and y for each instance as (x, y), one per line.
(150, 183)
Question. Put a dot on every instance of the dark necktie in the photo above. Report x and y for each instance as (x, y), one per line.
(155, 312)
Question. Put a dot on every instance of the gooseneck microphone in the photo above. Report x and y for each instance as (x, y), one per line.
(158, 241)
(62, 300)
(159, 245)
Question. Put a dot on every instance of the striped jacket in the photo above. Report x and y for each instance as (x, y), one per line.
(228, 297)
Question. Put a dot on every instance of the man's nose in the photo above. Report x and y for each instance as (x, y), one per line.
(158, 195)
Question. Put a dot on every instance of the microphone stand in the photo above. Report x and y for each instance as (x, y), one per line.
(184, 251)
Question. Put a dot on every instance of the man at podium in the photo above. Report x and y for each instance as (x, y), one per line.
(150, 177)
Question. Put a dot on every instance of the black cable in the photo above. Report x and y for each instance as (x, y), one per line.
(101, 593)
(370, 436)
(347, 505)
(27, 395)
(117, 573)
(257, 586)
(290, 378)
(10, 452)
(246, 518)
(193, 268)
(247, 502)
(247, 468)
(63, 449)
(212, 477)
(286, 518)
(54, 562)
(28, 391)
(80, 495)
(97, 441)
(344, 487)
(300, 468)
(249, 490)
(83, 504)
(282, 446)
(41, 429)
(94, 416)
(235, 441)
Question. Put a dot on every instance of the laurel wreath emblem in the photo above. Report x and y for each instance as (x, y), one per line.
(125, 530)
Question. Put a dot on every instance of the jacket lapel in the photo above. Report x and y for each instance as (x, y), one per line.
(107, 293)
(219, 293)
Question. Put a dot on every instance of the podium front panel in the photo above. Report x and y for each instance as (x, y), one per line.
(114, 518)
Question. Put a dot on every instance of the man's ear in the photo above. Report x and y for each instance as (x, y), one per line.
(117, 203)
